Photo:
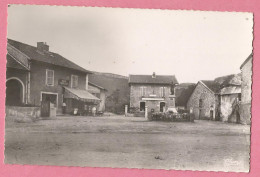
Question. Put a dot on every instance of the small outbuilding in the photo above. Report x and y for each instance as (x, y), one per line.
(100, 93)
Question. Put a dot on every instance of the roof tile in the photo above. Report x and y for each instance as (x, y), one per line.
(46, 57)
(148, 79)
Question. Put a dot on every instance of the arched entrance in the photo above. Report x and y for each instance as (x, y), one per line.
(14, 92)
(162, 106)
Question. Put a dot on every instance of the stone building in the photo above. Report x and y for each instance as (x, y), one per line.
(36, 76)
(204, 100)
(246, 70)
(217, 99)
(154, 91)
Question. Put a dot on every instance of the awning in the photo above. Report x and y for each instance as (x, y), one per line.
(82, 95)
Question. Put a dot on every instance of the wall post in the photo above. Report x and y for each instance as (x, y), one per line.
(126, 108)
(146, 112)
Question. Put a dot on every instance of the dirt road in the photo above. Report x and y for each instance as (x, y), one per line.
(129, 142)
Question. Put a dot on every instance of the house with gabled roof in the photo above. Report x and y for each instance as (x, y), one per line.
(217, 99)
(156, 92)
(203, 101)
(36, 76)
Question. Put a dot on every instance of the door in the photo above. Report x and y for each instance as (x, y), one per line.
(238, 116)
(162, 105)
(45, 109)
(211, 115)
(48, 99)
(142, 106)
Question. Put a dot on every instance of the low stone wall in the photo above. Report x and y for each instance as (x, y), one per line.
(15, 111)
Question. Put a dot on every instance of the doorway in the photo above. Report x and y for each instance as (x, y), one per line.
(200, 116)
(162, 106)
(142, 106)
(238, 117)
(48, 101)
(14, 92)
(211, 114)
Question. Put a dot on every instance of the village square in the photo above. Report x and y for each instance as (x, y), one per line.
(59, 113)
(128, 88)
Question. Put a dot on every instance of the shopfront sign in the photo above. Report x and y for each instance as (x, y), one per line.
(63, 82)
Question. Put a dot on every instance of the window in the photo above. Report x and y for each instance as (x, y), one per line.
(74, 81)
(49, 77)
(162, 91)
(172, 90)
(200, 103)
(143, 91)
(239, 97)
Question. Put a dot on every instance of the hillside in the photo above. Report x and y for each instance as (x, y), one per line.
(117, 90)
(183, 92)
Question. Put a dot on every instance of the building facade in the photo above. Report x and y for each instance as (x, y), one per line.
(152, 91)
(246, 90)
(203, 101)
(35, 76)
(217, 99)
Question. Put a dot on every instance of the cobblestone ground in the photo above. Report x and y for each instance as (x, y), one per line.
(133, 142)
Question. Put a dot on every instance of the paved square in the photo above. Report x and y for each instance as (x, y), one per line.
(133, 142)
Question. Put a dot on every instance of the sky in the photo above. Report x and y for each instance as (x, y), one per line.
(192, 45)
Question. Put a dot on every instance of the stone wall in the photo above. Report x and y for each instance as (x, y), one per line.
(208, 100)
(246, 92)
(226, 106)
(31, 112)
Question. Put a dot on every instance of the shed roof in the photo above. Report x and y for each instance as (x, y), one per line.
(46, 57)
(230, 90)
(95, 85)
(221, 82)
(212, 85)
(149, 79)
(12, 63)
(233, 79)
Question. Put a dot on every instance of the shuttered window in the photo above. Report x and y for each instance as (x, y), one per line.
(142, 91)
(74, 81)
(162, 91)
(49, 77)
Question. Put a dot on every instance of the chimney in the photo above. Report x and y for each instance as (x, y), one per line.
(42, 47)
(153, 76)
